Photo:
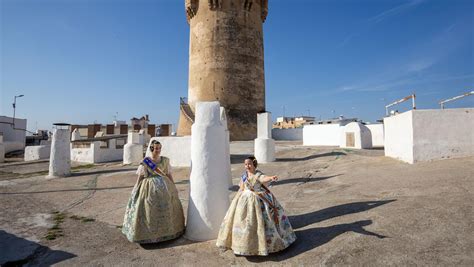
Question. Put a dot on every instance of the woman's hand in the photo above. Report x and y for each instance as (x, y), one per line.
(267, 179)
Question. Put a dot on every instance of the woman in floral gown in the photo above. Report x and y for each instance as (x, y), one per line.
(154, 212)
(255, 223)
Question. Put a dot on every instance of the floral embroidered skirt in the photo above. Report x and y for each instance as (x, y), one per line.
(251, 226)
(154, 212)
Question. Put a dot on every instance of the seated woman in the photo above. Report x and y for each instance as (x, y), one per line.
(255, 223)
(154, 212)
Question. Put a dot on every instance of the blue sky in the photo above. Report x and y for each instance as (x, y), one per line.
(85, 61)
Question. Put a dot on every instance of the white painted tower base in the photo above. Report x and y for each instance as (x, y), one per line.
(133, 150)
(209, 195)
(264, 150)
(60, 156)
(132, 153)
(264, 144)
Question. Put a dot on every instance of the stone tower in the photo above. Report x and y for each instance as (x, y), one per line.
(226, 62)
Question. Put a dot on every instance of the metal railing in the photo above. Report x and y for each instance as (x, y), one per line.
(186, 109)
(400, 101)
(441, 103)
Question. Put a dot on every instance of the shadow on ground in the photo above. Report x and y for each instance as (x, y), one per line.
(66, 190)
(82, 173)
(308, 239)
(329, 154)
(16, 251)
(304, 180)
(299, 221)
(181, 241)
(376, 148)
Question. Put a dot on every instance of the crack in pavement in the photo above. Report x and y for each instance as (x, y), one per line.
(91, 184)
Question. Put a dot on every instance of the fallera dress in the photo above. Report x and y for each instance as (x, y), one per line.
(255, 223)
(154, 212)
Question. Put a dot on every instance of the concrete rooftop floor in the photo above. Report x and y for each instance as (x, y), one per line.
(348, 207)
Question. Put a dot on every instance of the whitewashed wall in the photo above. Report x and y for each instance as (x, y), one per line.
(423, 135)
(398, 139)
(13, 139)
(443, 133)
(321, 135)
(95, 154)
(107, 155)
(294, 134)
(377, 133)
(37, 152)
(13, 146)
(82, 155)
(176, 148)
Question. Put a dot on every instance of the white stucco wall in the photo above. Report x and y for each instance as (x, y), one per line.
(176, 148)
(321, 135)
(82, 155)
(443, 133)
(95, 154)
(294, 134)
(423, 135)
(37, 152)
(376, 130)
(108, 155)
(398, 140)
(13, 146)
(13, 139)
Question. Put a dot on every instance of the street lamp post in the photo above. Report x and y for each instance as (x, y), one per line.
(14, 107)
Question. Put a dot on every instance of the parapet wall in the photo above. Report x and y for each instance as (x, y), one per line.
(423, 135)
(293, 134)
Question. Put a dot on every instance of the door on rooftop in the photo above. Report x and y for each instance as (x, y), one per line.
(350, 141)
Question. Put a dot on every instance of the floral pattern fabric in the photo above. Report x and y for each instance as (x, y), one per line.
(255, 223)
(154, 212)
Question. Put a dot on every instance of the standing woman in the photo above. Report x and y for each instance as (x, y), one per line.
(154, 212)
(255, 223)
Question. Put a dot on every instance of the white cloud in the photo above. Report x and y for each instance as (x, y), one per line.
(394, 11)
